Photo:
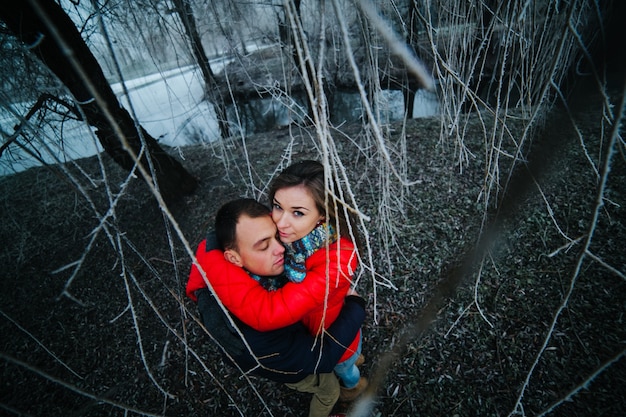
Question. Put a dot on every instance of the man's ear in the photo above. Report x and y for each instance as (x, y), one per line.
(232, 257)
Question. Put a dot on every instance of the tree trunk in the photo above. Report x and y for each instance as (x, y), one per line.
(412, 39)
(307, 68)
(39, 24)
(183, 8)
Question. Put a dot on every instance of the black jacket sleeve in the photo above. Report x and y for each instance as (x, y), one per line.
(217, 323)
(287, 354)
(291, 353)
(340, 334)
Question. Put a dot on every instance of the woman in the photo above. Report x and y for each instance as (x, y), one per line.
(322, 273)
(300, 209)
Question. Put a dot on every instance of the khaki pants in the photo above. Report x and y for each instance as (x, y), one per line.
(325, 390)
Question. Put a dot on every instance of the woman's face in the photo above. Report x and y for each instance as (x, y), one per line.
(295, 213)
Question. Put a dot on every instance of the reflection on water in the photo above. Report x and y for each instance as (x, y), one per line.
(426, 104)
(193, 123)
(262, 115)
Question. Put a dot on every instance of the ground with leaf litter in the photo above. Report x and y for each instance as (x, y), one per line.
(113, 339)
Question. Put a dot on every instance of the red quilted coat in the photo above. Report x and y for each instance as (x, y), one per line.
(316, 301)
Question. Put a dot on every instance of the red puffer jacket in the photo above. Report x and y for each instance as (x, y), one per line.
(305, 301)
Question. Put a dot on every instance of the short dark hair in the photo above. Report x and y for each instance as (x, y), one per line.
(228, 216)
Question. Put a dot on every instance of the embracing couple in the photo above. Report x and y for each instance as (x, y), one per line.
(284, 274)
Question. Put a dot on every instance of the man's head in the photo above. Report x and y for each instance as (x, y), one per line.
(246, 233)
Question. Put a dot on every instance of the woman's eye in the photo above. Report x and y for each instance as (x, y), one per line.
(298, 213)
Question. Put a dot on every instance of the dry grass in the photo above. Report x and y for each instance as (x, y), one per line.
(62, 357)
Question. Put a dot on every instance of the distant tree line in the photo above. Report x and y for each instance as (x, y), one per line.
(471, 49)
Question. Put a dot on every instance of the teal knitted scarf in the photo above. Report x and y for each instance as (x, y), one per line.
(298, 252)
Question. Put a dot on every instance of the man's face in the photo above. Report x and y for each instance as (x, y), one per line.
(258, 249)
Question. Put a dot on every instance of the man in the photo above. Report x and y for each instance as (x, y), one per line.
(246, 233)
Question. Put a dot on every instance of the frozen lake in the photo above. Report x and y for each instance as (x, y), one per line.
(170, 106)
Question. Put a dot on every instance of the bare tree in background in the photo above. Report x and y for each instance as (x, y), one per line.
(139, 30)
(53, 37)
(294, 38)
(412, 38)
(185, 11)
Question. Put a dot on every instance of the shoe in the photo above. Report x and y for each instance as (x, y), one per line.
(349, 394)
(360, 360)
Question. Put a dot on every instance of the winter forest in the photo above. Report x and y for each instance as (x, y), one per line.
(478, 142)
